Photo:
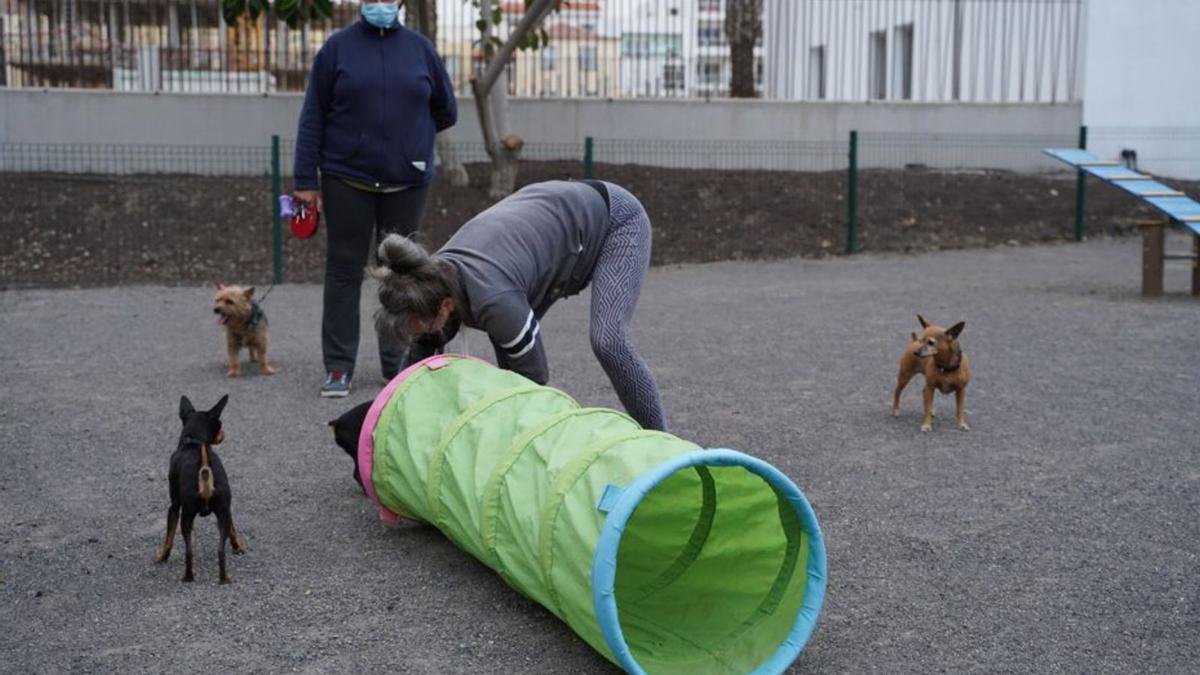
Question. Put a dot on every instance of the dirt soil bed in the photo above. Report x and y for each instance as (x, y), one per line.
(62, 230)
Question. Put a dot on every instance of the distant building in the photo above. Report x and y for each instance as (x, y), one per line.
(154, 45)
(676, 48)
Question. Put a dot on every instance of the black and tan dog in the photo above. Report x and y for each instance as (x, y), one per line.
(936, 354)
(198, 484)
(346, 430)
(245, 326)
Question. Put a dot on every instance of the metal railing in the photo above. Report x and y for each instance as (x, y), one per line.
(847, 50)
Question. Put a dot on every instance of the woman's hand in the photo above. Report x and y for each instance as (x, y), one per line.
(310, 197)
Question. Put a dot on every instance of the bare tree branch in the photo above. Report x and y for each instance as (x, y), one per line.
(533, 16)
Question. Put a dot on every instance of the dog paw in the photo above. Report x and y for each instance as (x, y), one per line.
(926, 427)
(226, 580)
(233, 373)
(162, 556)
(187, 579)
(895, 412)
(962, 426)
(268, 370)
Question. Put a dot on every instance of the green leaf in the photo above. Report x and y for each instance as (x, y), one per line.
(231, 10)
(481, 25)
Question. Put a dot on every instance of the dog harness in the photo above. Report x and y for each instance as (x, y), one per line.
(256, 315)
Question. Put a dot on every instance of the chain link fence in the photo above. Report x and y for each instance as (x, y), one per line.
(102, 215)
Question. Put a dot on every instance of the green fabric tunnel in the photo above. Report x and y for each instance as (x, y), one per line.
(665, 557)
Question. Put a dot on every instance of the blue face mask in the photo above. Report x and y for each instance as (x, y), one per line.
(380, 14)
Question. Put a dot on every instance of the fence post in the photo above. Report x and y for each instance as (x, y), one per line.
(852, 198)
(589, 170)
(1081, 192)
(276, 219)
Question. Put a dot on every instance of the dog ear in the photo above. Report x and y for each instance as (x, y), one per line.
(249, 292)
(185, 408)
(957, 328)
(216, 409)
(924, 323)
(914, 336)
(218, 285)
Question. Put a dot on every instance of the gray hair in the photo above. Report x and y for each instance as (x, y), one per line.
(411, 284)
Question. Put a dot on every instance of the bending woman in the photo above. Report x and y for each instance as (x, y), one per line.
(505, 267)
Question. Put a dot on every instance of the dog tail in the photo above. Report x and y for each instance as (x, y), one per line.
(206, 475)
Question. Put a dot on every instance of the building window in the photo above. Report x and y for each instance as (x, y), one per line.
(710, 34)
(708, 70)
(877, 62)
(710, 5)
(902, 63)
(673, 77)
(587, 58)
(816, 73)
(548, 58)
(642, 45)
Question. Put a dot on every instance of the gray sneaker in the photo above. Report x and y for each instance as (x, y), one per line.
(337, 385)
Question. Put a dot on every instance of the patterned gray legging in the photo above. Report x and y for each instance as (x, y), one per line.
(616, 283)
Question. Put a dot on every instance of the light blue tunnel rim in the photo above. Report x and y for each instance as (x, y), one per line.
(604, 561)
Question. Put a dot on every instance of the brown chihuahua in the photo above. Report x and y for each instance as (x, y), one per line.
(245, 326)
(937, 355)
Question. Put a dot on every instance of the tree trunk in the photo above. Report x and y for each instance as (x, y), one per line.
(503, 147)
(421, 15)
(743, 28)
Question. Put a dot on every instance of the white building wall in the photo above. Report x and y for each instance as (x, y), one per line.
(1014, 51)
(1141, 83)
(72, 130)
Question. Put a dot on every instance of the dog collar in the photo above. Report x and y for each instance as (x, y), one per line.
(951, 368)
(191, 440)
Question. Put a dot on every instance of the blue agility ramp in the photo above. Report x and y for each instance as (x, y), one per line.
(1174, 204)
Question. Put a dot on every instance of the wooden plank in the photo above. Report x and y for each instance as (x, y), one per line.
(1153, 243)
(1196, 265)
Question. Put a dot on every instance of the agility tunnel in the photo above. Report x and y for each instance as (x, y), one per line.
(664, 556)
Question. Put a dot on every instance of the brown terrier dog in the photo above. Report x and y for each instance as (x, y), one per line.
(937, 355)
(245, 326)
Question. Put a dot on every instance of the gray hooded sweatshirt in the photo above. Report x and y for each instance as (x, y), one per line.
(520, 256)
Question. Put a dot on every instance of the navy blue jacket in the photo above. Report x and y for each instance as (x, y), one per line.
(375, 100)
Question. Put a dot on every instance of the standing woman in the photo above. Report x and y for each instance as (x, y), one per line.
(506, 266)
(376, 98)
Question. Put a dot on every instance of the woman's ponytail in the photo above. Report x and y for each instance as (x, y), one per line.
(412, 284)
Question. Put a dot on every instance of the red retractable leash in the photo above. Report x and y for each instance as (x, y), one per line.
(303, 217)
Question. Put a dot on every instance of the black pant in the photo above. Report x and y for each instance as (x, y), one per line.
(355, 222)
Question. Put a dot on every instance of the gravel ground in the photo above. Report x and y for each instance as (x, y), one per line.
(1062, 534)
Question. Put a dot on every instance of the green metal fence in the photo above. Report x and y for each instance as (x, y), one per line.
(94, 215)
